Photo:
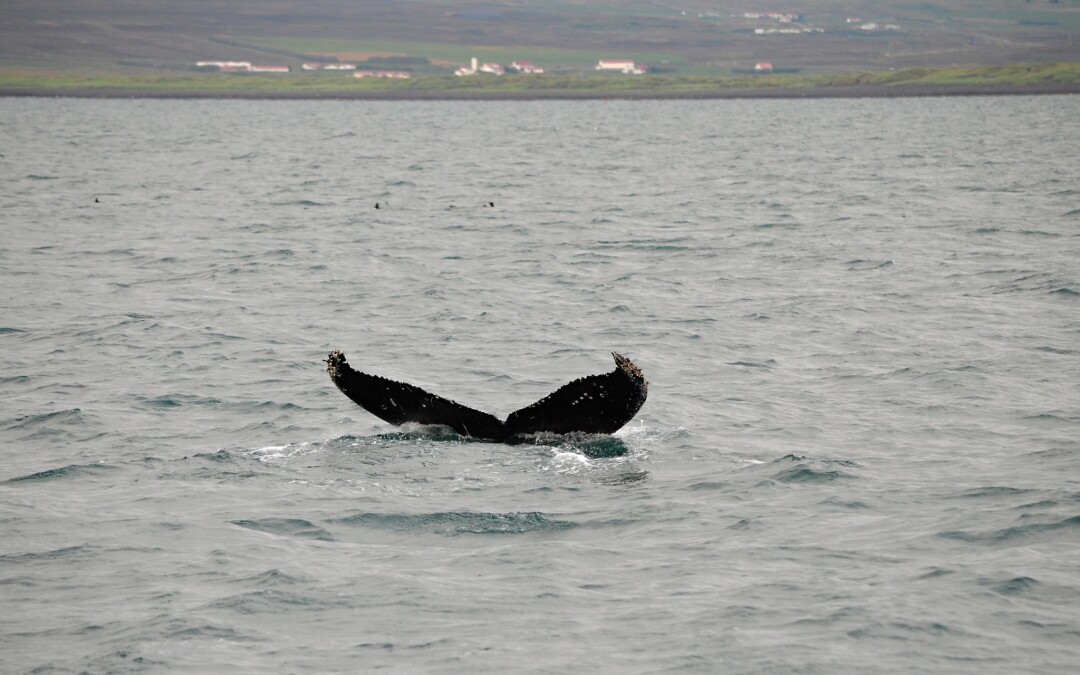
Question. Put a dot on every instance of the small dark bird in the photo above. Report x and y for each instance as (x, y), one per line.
(376, 204)
(96, 200)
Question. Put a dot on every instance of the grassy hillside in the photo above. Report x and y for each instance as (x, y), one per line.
(157, 44)
(1006, 79)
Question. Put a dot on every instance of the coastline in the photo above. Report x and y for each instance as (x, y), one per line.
(819, 92)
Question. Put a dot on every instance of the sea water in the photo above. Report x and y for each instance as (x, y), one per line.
(860, 320)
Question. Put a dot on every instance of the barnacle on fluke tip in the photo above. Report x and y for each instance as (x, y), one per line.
(597, 404)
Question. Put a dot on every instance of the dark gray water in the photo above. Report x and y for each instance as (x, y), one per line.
(860, 321)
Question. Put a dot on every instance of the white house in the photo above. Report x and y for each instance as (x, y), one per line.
(392, 74)
(225, 65)
(625, 66)
(467, 70)
(526, 67)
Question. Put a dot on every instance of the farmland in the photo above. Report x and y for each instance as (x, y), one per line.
(98, 46)
(1052, 78)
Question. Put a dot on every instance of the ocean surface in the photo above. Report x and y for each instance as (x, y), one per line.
(860, 320)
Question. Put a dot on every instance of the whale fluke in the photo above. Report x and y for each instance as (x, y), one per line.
(597, 404)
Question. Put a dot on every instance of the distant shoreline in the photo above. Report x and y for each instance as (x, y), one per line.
(854, 91)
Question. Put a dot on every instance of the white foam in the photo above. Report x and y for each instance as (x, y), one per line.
(276, 453)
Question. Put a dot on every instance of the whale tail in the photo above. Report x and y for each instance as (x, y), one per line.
(597, 404)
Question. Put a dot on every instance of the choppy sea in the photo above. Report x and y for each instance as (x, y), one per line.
(860, 320)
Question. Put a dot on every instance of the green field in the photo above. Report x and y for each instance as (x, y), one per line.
(1014, 77)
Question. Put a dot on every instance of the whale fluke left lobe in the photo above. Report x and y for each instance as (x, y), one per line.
(398, 402)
